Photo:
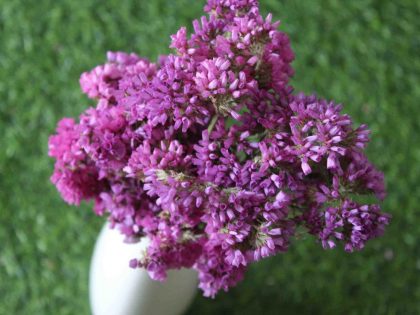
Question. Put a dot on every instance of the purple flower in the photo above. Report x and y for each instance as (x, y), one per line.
(210, 156)
(75, 175)
(353, 224)
(228, 9)
(320, 132)
(106, 139)
(215, 81)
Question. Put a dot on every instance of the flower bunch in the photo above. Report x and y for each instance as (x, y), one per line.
(211, 155)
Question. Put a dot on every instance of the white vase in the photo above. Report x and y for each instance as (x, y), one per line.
(117, 289)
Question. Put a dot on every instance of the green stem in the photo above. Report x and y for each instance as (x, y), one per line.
(212, 123)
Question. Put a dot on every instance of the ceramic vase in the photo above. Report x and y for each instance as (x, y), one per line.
(117, 289)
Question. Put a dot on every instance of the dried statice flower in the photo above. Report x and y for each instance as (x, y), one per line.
(211, 156)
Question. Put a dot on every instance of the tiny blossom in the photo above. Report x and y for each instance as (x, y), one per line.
(228, 9)
(105, 138)
(353, 224)
(211, 156)
(320, 131)
(102, 81)
(75, 175)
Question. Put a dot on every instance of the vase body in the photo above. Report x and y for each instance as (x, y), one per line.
(117, 289)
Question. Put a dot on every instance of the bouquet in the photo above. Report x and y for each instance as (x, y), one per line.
(211, 155)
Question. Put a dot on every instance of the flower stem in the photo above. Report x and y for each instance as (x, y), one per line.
(212, 123)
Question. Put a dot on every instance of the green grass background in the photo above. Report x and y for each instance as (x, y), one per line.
(363, 53)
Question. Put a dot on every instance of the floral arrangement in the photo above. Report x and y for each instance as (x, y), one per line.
(211, 155)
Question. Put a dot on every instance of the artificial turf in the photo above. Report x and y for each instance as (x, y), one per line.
(362, 53)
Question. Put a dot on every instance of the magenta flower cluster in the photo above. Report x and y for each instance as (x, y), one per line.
(211, 155)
